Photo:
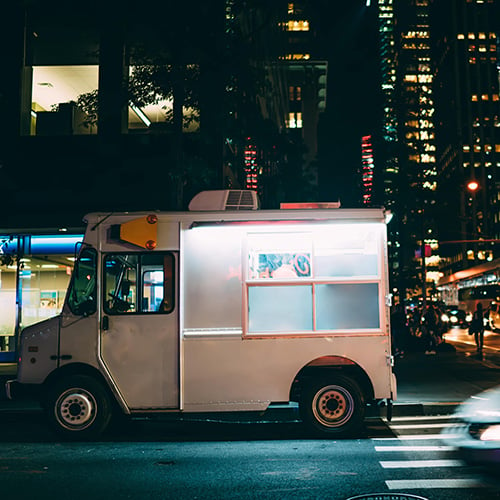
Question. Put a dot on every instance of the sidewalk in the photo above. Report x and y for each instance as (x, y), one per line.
(437, 384)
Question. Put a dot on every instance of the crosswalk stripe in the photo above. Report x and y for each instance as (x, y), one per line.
(420, 417)
(406, 464)
(401, 484)
(414, 448)
(416, 437)
(419, 426)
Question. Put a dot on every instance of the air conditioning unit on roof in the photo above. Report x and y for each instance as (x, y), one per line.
(226, 199)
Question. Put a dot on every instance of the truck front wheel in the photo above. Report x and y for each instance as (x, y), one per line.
(78, 407)
(333, 407)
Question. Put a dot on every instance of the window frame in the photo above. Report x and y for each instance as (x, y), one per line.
(313, 281)
(169, 286)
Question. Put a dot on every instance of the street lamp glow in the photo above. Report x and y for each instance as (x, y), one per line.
(472, 185)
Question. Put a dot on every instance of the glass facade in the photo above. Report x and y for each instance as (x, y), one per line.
(34, 275)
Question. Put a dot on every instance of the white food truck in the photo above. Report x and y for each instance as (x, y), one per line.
(223, 308)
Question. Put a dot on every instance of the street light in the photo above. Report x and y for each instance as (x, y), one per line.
(473, 185)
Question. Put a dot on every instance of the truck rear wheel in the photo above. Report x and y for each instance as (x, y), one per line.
(333, 407)
(78, 407)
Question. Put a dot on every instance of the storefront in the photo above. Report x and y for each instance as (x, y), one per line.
(34, 275)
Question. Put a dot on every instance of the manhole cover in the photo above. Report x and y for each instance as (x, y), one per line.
(387, 496)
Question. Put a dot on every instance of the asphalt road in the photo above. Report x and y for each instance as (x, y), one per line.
(155, 460)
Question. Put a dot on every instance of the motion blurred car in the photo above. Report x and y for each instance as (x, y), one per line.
(454, 316)
(476, 431)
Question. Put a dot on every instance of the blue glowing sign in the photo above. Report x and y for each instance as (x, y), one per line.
(39, 245)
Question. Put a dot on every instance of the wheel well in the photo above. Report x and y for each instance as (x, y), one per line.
(77, 369)
(329, 367)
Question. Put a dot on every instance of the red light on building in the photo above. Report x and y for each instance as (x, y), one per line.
(251, 166)
(367, 168)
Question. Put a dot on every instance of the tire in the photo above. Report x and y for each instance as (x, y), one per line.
(78, 407)
(333, 407)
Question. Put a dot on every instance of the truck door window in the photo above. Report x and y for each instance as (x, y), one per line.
(82, 290)
(138, 283)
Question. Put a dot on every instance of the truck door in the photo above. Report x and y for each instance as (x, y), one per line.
(140, 327)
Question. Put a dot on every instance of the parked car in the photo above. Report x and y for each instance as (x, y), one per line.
(476, 431)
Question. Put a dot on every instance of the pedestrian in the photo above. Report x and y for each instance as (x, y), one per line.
(477, 328)
(430, 329)
(399, 330)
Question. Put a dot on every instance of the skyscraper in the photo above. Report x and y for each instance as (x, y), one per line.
(465, 34)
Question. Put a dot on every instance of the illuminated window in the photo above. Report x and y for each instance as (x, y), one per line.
(426, 124)
(317, 264)
(460, 36)
(295, 93)
(425, 78)
(471, 36)
(472, 60)
(297, 26)
(497, 148)
(425, 158)
(291, 8)
(495, 97)
(482, 48)
(485, 97)
(482, 36)
(474, 98)
(297, 57)
(466, 148)
(410, 78)
(294, 120)
(53, 109)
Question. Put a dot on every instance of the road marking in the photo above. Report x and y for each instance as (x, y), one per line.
(405, 464)
(417, 437)
(420, 417)
(419, 426)
(415, 448)
(401, 484)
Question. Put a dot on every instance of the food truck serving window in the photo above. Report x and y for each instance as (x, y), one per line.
(327, 279)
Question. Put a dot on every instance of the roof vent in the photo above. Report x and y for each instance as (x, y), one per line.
(227, 199)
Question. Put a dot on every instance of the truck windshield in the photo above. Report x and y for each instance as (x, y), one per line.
(82, 292)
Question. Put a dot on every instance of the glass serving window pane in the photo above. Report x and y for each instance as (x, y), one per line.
(279, 256)
(346, 252)
(347, 306)
(280, 309)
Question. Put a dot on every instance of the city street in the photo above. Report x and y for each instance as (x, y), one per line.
(272, 461)
(156, 460)
(462, 338)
